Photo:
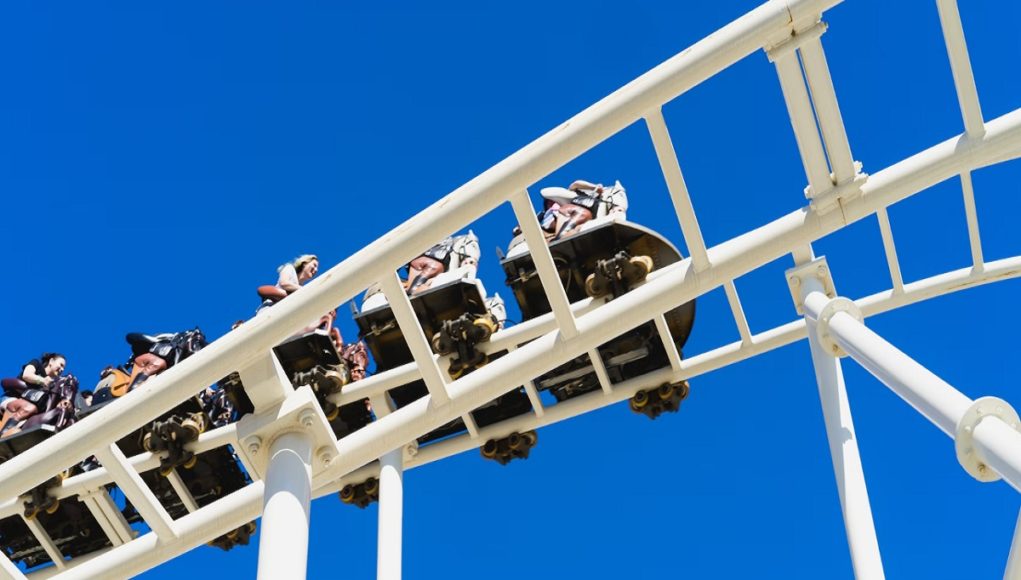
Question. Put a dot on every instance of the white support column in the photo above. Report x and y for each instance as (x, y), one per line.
(985, 430)
(283, 546)
(1013, 571)
(391, 514)
(847, 467)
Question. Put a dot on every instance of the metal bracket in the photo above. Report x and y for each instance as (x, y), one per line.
(967, 455)
(831, 198)
(795, 40)
(817, 268)
(298, 412)
(822, 325)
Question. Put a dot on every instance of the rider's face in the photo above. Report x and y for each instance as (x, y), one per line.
(55, 367)
(308, 271)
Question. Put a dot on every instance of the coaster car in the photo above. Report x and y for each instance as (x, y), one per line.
(602, 258)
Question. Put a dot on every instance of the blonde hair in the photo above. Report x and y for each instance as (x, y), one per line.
(300, 262)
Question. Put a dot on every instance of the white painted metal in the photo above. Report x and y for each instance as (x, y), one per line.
(971, 215)
(960, 64)
(998, 445)
(182, 491)
(391, 516)
(101, 519)
(891, 250)
(417, 341)
(667, 156)
(735, 307)
(831, 123)
(135, 490)
(806, 131)
(673, 355)
(283, 544)
(45, 541)
(264, 379)
(843, 441)
(8, 570)
(194, 529)
(103, 508)
(544, 266)
(1013, 571)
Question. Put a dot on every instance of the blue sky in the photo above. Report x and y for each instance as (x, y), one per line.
(158, 162)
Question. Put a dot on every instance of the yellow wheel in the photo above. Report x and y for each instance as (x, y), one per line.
(640, 399)
(644, 265)
(455, 373)
(682, 389)
(53, 506)
(665, 391)
(487, 324)
(489, 449)
(591, 288)
(515, 441)
(147, 442)
(191, 462)
(371, 486)
(532, 437)
(347, 493)
(333, 414)
(166, 470)
(337, 380)
(250, 528)
(31, 512)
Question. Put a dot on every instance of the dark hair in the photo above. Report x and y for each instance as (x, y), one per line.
(48, 356)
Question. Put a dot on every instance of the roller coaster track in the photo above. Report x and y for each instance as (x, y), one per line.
(287, 421)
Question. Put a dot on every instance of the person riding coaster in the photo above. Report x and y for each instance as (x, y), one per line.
(40, 396)
(207, 476)
(36, 405)
(150, 356)
(582, 207)
(453, 259)
(599, 253)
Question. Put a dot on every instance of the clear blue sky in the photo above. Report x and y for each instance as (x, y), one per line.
(158, 161)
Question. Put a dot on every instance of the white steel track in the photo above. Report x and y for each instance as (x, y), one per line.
(792, 34)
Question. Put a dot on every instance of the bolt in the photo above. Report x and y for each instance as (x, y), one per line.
(982, 468)
(412, 449)
(821, 270)
(307, 418)
(835, 348)
(795, 281)
(254, 443)
(325, 455)
(967, 429)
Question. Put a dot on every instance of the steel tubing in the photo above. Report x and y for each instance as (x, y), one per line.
(283, 545)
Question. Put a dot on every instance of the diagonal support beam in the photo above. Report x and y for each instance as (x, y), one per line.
(960, 65)
(840, 432)
(985, 431)
(667, 156)
(422, 352)
(137, 492)
(544, 266)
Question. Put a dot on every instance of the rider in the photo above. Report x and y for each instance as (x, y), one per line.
(38, 372)
(292, 275)
(23, 395)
